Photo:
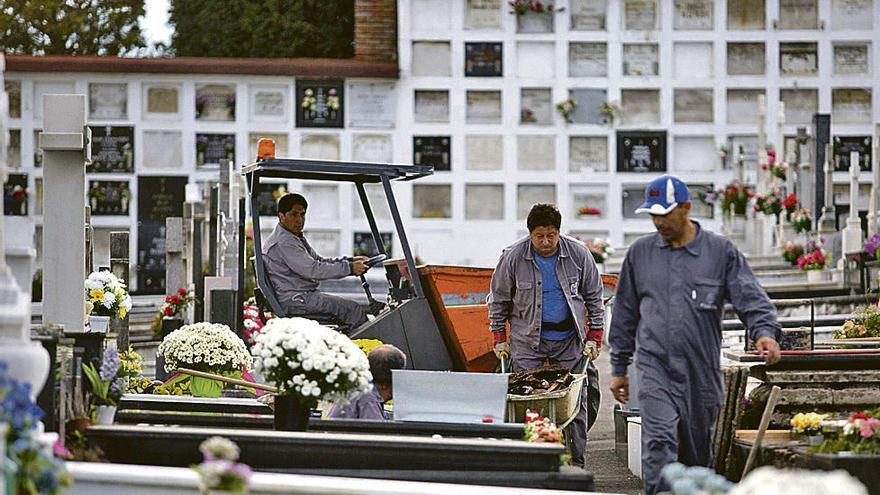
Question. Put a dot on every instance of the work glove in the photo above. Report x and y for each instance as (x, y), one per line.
(591, 350)
(501, 345)
(594, 341)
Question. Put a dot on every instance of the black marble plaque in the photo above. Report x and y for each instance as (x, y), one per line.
(109, 197)
(112, 149)
(267, 198)
(214, 149)
(158, 199)
(365, 245)
(483, 60)
(434, 151)
(821, 132)
(319, 103)
(15, 195)
(641, 151)
(844, 145)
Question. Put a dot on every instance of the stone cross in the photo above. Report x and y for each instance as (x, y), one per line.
(119, 265)
(827, 223)
(175, 270)
(762, 145)
(804, 178)
(874, 201)
(852, 233)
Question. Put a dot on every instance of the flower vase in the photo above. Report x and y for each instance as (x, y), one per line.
(815, 276)
(23, 207)
(535, 22)
(816, 439)
(205, 387)
(98, 324)
(290, 413)
(105, 415)
(124, 205)
(200, 158)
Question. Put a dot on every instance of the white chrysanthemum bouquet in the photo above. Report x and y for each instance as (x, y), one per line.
(107, 295)
(310, 361)
(210, 347)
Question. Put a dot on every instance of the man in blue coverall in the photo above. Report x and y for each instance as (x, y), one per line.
(668, 312)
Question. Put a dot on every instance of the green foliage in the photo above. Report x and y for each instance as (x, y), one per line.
(264, 28)
(70, 27)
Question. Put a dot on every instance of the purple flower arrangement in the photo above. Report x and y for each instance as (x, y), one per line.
(871, 247)
(220, 470)
(108, 384)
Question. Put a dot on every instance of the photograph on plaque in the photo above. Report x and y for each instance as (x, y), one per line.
(319, 146)
(800, 105)
(162, 99)
(158, 198)
(483, 107)
(702, 200)
(13, 149)
(640, 106)
(640, 15)
(364, 245)
(162, 150)
(589, 202)
(431, 59)
(745, 15)
(372, 148)
(269, 103)
(433, 151)
(484, 202)
(109, 197)
(851, 59)
(535, 17)
(432, 201)
(15, 195)
(112, 149)
(371, 105)
(587, 59)
(693, 61)
(215, 102)
(268, 195)
(850, 106)
(483, 60)
(641, 151)
(588, 15)
(693, 15)
(431, 105)
(13, 92)
(798, 14)
(588, 107)
(746, 59)
(844, 145)
(484, 152)
(528, 195)
(108, 101)
(536, 152)
(282, 144)
(693, 106)
(214, 149)
(588, 153)
(641, 59)
(798, 59)
(742, 105)
(852, 15)
(536, 106)
(483, 14)
(319, 103)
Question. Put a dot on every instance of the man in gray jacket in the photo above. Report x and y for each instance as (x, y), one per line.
(667, 312)
(295, 269)
(547, 288)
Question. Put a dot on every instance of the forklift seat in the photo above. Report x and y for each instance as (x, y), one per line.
(264, 293)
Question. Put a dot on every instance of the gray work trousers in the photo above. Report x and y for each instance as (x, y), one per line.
(345, 311)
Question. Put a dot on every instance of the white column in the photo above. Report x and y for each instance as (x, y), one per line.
(874, 203)
(828, 221)
(852, 234)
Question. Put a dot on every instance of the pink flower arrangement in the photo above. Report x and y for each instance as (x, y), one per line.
(252, 322)
(816, 256)
(862, 425)
(539, 429)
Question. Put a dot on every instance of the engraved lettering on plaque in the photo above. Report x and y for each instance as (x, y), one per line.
(798, 14)
(588, 153)
(640, 15)
(587, 59)
(483, 107)
(745, 15)
(482, 14)
(588, 15)
(693, 106)
(852, 15)
(431, 106)
(746, 59)
(641, 59)
(693, 15)
(799, 59)
(108, 101)
(162, 99)
(851, 106)
(851, 59)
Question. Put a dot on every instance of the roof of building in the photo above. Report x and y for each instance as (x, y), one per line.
(297, 67)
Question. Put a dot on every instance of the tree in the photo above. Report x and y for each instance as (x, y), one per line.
(70, 27)
(263, 28)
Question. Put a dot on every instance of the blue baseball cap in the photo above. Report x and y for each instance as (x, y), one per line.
(663, 194)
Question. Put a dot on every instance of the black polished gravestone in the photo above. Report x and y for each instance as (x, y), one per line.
(214, 149)
(364, 245)
(821, 134)
(15, 195)
(319, 103)
(483, 60)
(109, 197)
(641, 151)
(112, 149)
(268, 195)
(433, 151)
(844, 145)
(158, 199)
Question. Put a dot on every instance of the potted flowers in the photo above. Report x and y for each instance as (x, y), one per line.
(566, 108)
(866, 324)
(209, 347)
(586, 211)
(108, 298)
(173, 309)
(600, 249)
(791, 252)
(871, 248)
(768, 204)
(808, 425)
(532, 16)
(609, 110)
(801, 220)
(107, 385)
(219, 472)
(539, 429)
(307, 362)
(814, 260)
(735, 198)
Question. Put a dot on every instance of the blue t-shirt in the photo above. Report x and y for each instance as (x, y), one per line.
(555, 306)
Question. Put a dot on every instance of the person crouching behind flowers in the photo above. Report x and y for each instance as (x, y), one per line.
(371, 404)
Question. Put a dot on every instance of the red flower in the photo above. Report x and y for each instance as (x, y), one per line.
(182, 292)
(168, 311)
(858, 416)
(175, 300)
(790, 202)
(168, 299)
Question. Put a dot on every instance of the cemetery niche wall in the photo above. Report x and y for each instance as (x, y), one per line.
(641, 151)
(112, 149)
(319, 103)
(158, 199)
(108, 101)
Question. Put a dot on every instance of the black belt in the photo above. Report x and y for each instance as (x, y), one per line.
(567, 324)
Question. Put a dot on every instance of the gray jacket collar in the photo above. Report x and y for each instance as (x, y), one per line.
(693, 247)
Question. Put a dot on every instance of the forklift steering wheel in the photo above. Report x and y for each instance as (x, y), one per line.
(373, 261)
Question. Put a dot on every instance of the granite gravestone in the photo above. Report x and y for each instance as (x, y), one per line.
(746, 59)
(363, 243)
(800, 105)
(483, 59)
(536, 106)
(484, 152)
(112, 149)
(745, 15)
(15, 195)
(641, 151)
(373, 148)
(484, 202)
(431, 106)
(162, 150)
(269, 103)
(527, 195)
(852, 15)
(851, 106)
(640, 15)
(319, 146)
(433, 151)
(158, 199)
(319, 103)
(798, 59)
(844, 145)
(535, 152)
(798, 14)
(109, 197)
(214, 149)
(589, 102)
(693, 106)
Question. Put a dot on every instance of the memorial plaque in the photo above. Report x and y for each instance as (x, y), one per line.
(536, 106)
(324, 242)
(163, 150)
(15, 195)
(378, 202)
(431, 106)
(108, 101)
(633, 196)
(484, 202)
(535, 58)
(800, 105)
(536, 152)
(536, 22)
(799, 59)
(372, 148)
(162, 99)
(371, 105)
(798, 14)
(483, 60)
(844, 145)
(112, 149)
(589, 102)
(742, 106)
(694, 154)
(588, 153)
(38, 152)
(587, 59)
(13, 149)
(528, 195)
(365, 245)
(693, 61)
(323, 202)
(484, 152)
(42, 88)
(748, 146)
(851, 106)
(214, 149)
(433, 151)
(269, 103)
(693, 106)
(641, 151)
(699, 207)
(268, 195)
(640, 15)
(430, 15)
(588, 15)
(109, 197)
(483, 107)
(320, 146)
(851, 59)
(215, 102)
(641, 59)
(432, 201)
(158, 199)
(693, 15)
(319, 103)
(282, 144)
(640, 106)
(13, 92)
(589, 202)
(745, 15)
(431, 59)
(482, 14)
(852, 15)
(746, 59)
